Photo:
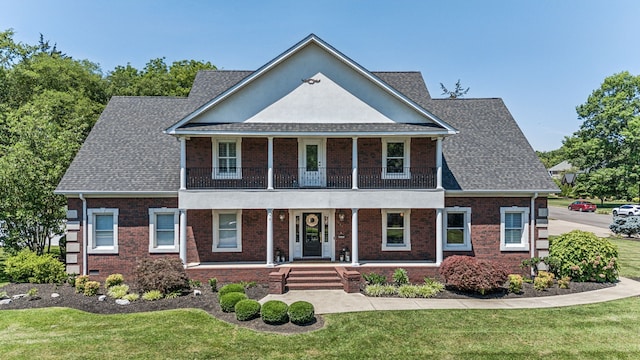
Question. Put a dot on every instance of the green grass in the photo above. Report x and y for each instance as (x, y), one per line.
(597, 331)
(629, 256)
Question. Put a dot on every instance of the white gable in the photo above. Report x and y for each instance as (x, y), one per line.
(343, 95)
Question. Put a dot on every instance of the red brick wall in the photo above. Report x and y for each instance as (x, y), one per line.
(369, 153)
(339, 153)
(133, 234)
(255, 153)
(285, 152)
(199, 152)
(423, 153)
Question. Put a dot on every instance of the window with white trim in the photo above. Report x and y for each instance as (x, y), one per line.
(395, 158)
(395, 230)
(514, 228)
(227, 159)
(102, 231)
(457, 229)
(227, 230)
(163, 230)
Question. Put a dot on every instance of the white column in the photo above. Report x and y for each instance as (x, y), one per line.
(439, 163)
(270, 164)
(439, 227)
(354, 237)
(183, 236)
(183, 163)
(354, 164)
(270, 238)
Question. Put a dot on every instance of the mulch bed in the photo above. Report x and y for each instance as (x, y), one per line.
(208, 302)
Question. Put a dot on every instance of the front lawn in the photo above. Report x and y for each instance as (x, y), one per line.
(3, 277)
(597, 331)
(629, 256)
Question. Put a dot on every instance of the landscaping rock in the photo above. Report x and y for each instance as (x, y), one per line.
(18, 296)
(55, 295)
(123, 302)
(197, 292)
(102, 297)
(5, 302)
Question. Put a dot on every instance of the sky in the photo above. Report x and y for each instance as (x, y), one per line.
(543, 57)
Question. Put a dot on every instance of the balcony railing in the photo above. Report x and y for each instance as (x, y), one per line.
(325, 178)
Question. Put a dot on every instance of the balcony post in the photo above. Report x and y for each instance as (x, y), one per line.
(183, 163)
(354, 237)
(439, 227)
(354, 164)
(270, 163)
(439, 163)
(270, 238)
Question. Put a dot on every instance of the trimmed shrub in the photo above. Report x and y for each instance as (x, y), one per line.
(80, 282)
(380, 290)
(274, 312)
(228, 301)
(628, 225)
(400, 277)
(113, 280)
(230, 288)
(374, 279)
(91, 288)
(213, 282)
(546, 276)
(563, 283)
(27, 266)
(118, 291)
(247, 309)
(152, 295)
(301, 313)
(163, 274)
(583, 256)
(131, 297)
(466, 273)
(515, 283)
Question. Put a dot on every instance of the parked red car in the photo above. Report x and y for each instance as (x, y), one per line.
(582, 205)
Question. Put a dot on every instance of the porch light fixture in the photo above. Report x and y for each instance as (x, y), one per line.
(341, 216)
(281, 216)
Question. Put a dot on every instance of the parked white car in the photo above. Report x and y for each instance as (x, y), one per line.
(626, 210)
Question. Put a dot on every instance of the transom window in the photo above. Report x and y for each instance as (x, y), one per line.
(102, 231)
(163, 230)
(227, 231)
(395, 158)
(227, 159)
(457, 234)
(395, 230)
(514, 228)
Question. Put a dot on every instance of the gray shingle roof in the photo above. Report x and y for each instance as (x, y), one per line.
(127, 151)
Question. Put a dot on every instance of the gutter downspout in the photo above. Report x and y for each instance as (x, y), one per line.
(84, 234)
(532, 227)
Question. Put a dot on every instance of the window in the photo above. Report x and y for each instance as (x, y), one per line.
(227, 231)
(395, 159)
(227, 159)
(163, 230)
(102, 229)
(514, 228)
(457, 233)
(395, 230)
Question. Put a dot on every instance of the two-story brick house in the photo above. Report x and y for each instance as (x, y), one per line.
(310, 157)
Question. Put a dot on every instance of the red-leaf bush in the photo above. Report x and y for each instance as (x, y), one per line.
(466, 273)
(164, 274)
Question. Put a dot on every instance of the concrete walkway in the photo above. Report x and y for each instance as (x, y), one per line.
(337, 301)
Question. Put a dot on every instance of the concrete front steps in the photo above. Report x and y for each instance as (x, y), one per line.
(303, 278)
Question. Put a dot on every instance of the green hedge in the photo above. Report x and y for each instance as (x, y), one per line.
(27, 266)
(274, 312)
(247, 309)
(229, 288)
(228, 301)
(583, 256)
(301, 313)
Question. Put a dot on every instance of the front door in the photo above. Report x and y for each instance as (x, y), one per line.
(312, 234)
(312, 168)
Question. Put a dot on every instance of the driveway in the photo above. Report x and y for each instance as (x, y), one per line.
(562, 220)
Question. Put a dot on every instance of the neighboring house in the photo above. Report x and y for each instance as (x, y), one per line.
(565, 172)
(310, 157)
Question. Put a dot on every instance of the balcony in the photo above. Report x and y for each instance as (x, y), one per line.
(317, 178)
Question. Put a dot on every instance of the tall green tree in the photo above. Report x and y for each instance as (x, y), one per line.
(607, 145)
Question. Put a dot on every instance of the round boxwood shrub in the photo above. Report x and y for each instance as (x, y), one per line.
(467, 273)
(247, 309)
(301, 313)
(274, 312)
(583, 256)
(229, 288)
(228, 301)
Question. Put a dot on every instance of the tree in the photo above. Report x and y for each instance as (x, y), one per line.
(456, 93)
(551, 158)
(607, 145)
